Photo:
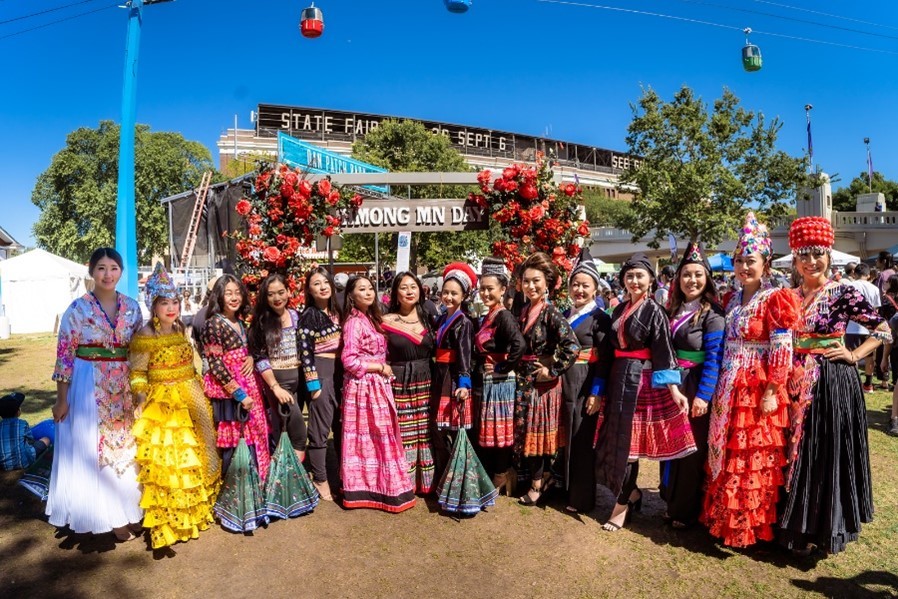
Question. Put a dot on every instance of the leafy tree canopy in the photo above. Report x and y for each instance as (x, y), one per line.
(77, 193)
(602, 211)
(408, 146)
(845, 198)
(702, 168)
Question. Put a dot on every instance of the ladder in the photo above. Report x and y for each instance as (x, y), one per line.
(192, 230)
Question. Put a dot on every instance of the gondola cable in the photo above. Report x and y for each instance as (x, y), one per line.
(712, 24)
(43, 12)
(787, 18)
(69, 18)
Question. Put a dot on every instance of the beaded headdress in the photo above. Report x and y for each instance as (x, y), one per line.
(754, 238)
(694, 255)
(160, 284)
(811, 233)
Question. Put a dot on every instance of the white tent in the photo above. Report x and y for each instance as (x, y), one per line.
(37, 287)
(838, 259)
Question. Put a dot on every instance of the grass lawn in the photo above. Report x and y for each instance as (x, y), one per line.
(507, 551)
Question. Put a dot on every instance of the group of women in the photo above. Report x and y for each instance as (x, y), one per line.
(756, 414)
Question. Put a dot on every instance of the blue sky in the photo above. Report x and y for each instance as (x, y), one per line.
(515, 65)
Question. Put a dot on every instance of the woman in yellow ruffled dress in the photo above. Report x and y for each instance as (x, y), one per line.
(179, 464)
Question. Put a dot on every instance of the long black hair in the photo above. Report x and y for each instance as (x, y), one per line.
(265, 330)
(216, 297)
(373, 312)
(419, 306)
(678, 298)
(332, 305)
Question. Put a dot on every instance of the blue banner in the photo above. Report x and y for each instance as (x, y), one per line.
(313, 159)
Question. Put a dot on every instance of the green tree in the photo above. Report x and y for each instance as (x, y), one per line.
(408, 146)
(602, 211)
(700, 169)
(77, 193)
(845, 198)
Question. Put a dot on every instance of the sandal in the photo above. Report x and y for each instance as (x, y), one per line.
(528, 500)
(324, 490)
(123, 534)
(610, 526)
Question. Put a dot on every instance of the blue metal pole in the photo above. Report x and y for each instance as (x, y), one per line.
(126, 215)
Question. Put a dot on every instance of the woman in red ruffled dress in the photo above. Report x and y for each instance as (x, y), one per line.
(749, 412)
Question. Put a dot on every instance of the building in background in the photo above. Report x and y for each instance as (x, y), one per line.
(337, 130)
(9, 247)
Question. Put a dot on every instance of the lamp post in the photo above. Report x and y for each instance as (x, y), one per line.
(125, 212)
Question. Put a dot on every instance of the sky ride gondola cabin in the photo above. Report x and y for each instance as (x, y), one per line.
(311, 24)
(751, 55)
(457, 6)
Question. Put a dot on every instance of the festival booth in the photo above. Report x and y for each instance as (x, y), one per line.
(838, 259)
(37, 287)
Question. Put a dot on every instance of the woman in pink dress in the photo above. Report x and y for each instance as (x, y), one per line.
(373, 464)
(230, 383)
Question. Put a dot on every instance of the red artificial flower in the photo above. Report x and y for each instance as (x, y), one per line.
(509, 172)
(583, 229)
(356, 201)
(281, 239)
(537, 212)
(287, 191)
(570, 190)
(324, 187)
(305, 189)
(529, 191)
(291, 179)
(328, 231)
(573, 250)
(255, 230)
(333, 198)
(271, 254)
(243, 207)
(483, 177)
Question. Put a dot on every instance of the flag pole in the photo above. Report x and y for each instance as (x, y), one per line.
(807, 111)
(869, 164)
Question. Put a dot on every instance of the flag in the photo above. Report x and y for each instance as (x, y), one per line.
(810, 142)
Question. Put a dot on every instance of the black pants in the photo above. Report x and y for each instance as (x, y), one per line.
(296, 423)
(495, 460)
(630, 476)
(324, 417)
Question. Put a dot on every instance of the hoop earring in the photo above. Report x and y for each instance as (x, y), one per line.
(157, 326)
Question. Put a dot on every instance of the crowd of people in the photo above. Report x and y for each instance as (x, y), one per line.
(754, 408)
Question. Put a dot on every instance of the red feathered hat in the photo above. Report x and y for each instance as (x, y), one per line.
(810, 233)
(463, 274)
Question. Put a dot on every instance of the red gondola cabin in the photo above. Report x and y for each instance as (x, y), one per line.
(312, 23)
